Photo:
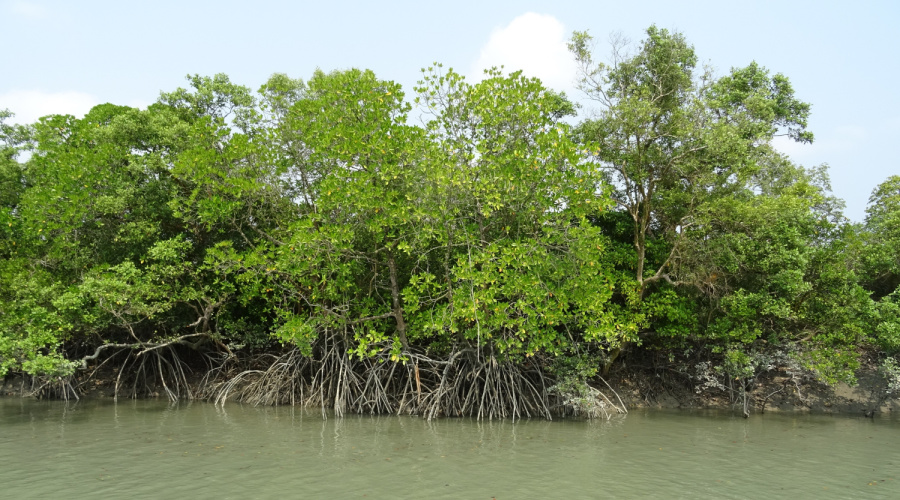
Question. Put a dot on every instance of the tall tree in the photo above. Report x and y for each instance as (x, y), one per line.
(882, 226)
(881, 261)
(672, 141)
(517, 268)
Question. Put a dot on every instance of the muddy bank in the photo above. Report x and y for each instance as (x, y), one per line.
(774, 392)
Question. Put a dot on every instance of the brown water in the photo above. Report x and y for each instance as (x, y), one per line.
(152, 449)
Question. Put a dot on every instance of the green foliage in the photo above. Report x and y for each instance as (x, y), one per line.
(672, 142)
(732, 245)
(881, 237)
(33, 330)
(759, 104)
(890, 370)
(97, 253)
(316, 210)
(879, 262)
(13, 140)
(580, 398)
(887, 327)
(773, 268)
(522, 267)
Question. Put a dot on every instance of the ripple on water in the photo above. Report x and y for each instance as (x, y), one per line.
(149, 449)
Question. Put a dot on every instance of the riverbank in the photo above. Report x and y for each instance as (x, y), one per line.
(638, 387)
(776, 391)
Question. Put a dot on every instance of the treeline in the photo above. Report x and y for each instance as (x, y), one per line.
(312, 243)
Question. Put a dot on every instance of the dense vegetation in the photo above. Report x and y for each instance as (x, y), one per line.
(308, 243)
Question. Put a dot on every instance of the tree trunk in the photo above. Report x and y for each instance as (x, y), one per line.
(395, 299)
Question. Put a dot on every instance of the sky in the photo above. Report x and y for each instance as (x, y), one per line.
(840, 56)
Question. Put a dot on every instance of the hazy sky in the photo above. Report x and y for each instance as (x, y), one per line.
(842, 57)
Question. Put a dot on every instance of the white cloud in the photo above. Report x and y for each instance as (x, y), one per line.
(28, 9)
(29, 105)
(533, 43)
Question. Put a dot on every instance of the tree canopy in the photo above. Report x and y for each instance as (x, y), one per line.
(310, 238)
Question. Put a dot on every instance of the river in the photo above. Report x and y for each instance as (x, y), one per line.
(153, 449)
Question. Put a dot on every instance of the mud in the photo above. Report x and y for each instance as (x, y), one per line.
(774, 392)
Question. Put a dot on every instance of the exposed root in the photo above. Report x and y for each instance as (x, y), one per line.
(53, 388)
(463, 384)
(577, 398)
(281, 383)
(489, 387)
(153, 369)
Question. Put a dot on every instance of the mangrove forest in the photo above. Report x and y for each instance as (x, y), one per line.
(455, 249)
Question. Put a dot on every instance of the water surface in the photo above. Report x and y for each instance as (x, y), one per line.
(151, 449)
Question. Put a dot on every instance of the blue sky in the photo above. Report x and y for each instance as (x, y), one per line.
(64, 56)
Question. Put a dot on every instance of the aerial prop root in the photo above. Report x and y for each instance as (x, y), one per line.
(155, 368)
(462, 384)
